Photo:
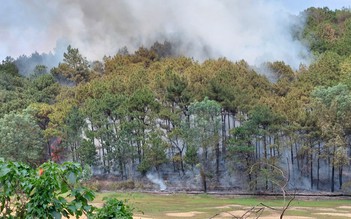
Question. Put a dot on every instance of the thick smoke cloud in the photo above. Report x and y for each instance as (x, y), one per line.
(254, 30)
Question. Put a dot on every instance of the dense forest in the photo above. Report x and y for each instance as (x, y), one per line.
(216, 124)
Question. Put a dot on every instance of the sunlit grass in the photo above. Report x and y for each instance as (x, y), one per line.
(158, 205)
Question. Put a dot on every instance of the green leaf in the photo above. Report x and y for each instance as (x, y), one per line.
(87, 208)
(79, 205)
(4, 171)
(89, 195)
(64, 187)
(72, 178)
(72, 209)
(56, 214)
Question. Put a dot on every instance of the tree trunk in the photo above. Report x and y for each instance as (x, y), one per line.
(173, 161)
(265, 157)
(48, 150)
(181, 161)
(217, 161)
(332, 178)
(224, 134)
(340, 177)
(121, 168)
(203, 178)
(265, 148)
(270, 147)
(311, 169)
(139, 151)
(250, 177)
(103, 155)
(291, 152)
(333, 171)
(311, 163)
(318, 164)
(229, 122)
(297, 159)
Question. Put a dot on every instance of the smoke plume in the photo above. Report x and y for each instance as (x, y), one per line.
(154, 178)
(253, 30)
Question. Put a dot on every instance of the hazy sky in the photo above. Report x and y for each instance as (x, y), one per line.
(253, 30)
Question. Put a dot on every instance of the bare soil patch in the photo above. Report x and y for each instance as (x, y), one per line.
(275, 216)
(230, 214)
(228, 206)
(345, 207)
(315, 209)
(184, 214)
(140, 217)
(335, 214)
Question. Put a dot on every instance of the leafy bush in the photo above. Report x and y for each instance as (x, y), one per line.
(43, 192)
(114, 208)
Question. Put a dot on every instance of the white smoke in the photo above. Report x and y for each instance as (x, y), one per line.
(253, 30)
(154, 178)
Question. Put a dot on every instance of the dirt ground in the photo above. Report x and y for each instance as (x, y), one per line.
(238, 211)
(340, 212)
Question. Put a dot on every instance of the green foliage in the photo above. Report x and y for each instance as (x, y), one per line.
(40, 193)
(333, 118)
(46, 196)
(13, 88)
(154, 153)
(241, 146)
(17, 92)
(43, 88)
(21, 139)
(74, 69)
(87, 152)
(327, 30)
(114, 208)
(176, 90)
(8, 67)
(325, 71)
(13, 182)
(144, 167)
(206, 123)
(74, 124)
(336, 98)
(191, 156)
(213, 113)
(50, 191)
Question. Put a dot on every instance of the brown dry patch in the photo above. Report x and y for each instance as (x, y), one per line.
(228, 206)
(336, 214)
(134, 217)
(184, 214)
(230, 214)
(314, 209)
(345, 207)
(275, 216)
(140, 217)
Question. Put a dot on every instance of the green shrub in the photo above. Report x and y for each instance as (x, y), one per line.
(114, 208)
(44, 192)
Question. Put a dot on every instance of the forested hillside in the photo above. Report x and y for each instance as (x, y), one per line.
(199, 125)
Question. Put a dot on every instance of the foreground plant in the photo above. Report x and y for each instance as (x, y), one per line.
(50, 191)
(114, 208)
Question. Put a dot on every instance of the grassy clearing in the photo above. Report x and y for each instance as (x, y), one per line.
(206, 206)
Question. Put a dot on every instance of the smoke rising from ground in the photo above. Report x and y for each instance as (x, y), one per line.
(253, 30)
(154, 178)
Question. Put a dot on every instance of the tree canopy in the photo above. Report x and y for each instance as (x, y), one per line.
(152, 111)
